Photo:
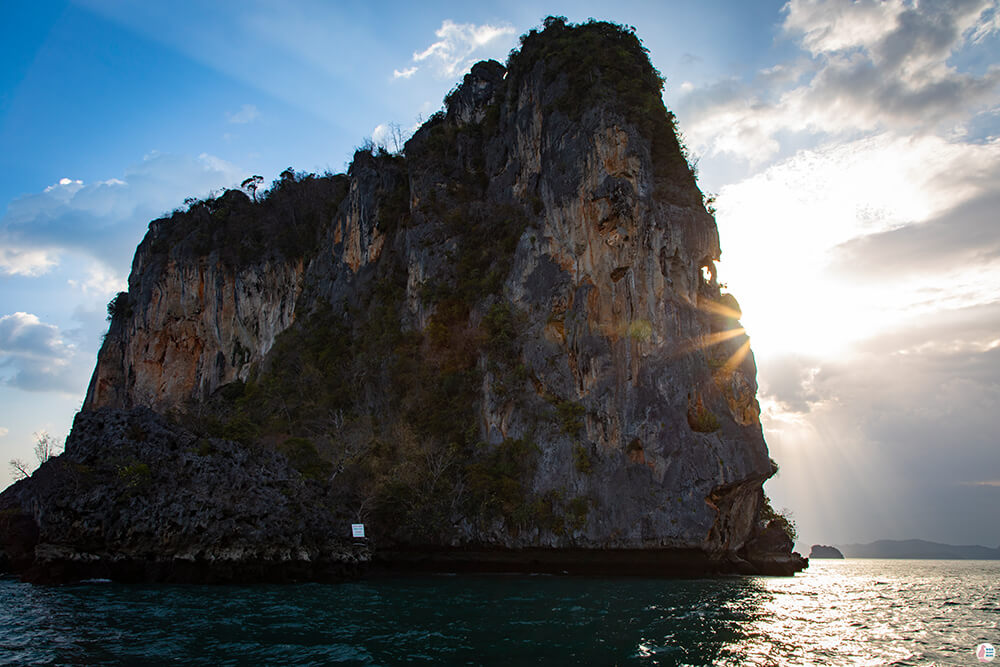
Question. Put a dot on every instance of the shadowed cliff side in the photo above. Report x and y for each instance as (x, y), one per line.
(506, 341)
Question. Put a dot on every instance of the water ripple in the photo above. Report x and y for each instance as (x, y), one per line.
(853, 612)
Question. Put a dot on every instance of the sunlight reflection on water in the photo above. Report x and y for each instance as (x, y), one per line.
(871, 612)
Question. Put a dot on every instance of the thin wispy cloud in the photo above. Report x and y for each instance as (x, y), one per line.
(100, 280)
(247, 114)
(404, 73)
(988, 482)
(453, 51)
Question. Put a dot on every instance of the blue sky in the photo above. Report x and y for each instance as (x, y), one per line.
(853, 146)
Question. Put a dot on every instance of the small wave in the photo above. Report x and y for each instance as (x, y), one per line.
(95, 581)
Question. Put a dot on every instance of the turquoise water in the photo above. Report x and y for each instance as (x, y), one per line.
(837, 612)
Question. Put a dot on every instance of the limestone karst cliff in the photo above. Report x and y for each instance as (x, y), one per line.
(506, 339)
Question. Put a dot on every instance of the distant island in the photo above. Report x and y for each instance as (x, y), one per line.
(823, 551)
(916, 549)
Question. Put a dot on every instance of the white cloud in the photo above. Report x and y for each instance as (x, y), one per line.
(3, 431)
(100, 281)
(217, 168)
(35, 357)
(66, 187)
(891, 30)
(873, 66)
(405, 73)
(832, 25)
(457, 42)
(103, 220)
(381, 134)
(25, 262)
(247, 113)
(989, 24)
(23, 333)
(392, 136)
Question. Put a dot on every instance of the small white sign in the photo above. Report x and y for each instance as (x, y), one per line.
(357, 530)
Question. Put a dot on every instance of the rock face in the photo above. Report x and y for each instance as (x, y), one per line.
(189, 316)
(509, 340)
(207, 297)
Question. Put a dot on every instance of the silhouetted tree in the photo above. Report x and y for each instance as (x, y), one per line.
(252, 184)
(19, 468)
(45, 448)
(397, 137)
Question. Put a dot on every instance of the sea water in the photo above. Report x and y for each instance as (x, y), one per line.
(853, 612)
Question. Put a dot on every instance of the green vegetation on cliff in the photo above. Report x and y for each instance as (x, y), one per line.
(783, 519)
(285, 220)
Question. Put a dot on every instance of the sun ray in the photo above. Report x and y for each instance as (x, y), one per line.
(736, 358)
(708, 340)
(711, 339)
(717, 308)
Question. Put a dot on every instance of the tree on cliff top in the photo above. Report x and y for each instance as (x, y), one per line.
(252, 184)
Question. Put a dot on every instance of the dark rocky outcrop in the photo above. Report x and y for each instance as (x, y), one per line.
(823, 551)
(770, 552)
(134, 497)
(507, 340)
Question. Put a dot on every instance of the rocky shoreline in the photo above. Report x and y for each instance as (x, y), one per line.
(86, 567)
(52, 566)
(679, 563)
